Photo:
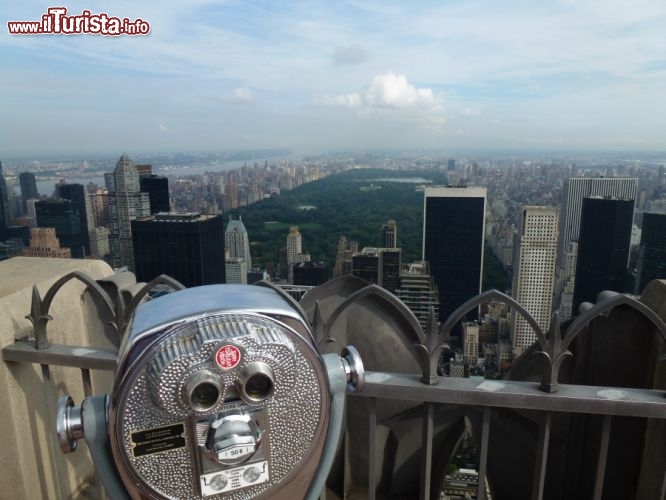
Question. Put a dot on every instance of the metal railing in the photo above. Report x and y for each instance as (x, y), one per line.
(546, 398)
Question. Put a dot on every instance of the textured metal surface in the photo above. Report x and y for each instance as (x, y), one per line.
(159, 361)
(192, 349)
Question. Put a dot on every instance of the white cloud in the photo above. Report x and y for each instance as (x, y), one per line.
(392, 92)
(162, 127)
(242, 95)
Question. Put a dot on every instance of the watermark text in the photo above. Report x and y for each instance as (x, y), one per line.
(57, 22)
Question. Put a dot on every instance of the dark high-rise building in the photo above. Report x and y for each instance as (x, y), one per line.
(158, 192)
(574, 190)
(65, 217)
(380, 266)
(28, 185)
(4, 207)
(651, 263)
(390, 262)
(453, 238)
(365, 265)
(188, 247)
(451, 164)
(76, 193)
(388, 235)
(603, 248)
(310, 273)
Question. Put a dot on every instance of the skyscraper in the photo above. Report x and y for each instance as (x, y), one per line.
(237, 242)
(380, 266)
(294, 244)
(157, 188)
(388, 236)
(99, 242)
(603, 248)
(99, 203)
(144, 170)
(5, 215)
(418, 291)
(44, 243)
(652, 251)
(533, 272)
(28, 185)
(76, 193)
(126, 203)
(343, 257)
(573, 192)
(295, 251)
(453, 238)
(310, 273)
(238, 260)
(187, 246)
(65, 217)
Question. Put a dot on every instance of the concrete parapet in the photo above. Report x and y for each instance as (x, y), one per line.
(32, 464)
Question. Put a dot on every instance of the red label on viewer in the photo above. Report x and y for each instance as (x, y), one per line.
(227, 356)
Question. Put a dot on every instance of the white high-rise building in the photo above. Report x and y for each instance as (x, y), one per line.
(238, 261)
(294, 244)
(236, 270)
(471, 343)
(237, 242)
(126, 203)
(295, 251)
(573, 192)
(533, 272)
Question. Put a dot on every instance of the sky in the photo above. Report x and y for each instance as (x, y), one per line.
(346, 75)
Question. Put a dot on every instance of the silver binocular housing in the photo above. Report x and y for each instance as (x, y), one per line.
(220, 392)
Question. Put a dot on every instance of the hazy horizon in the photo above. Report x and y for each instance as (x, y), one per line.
(314, 77)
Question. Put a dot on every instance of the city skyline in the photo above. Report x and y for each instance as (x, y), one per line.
(208, 76)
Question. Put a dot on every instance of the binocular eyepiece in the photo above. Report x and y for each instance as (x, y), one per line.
(219, 392)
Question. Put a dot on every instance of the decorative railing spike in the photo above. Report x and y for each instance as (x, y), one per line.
(319, 329)
(39, 314)
(554, 354)
(39, 310)
(429, 352)
(554, 346)
(38, 320)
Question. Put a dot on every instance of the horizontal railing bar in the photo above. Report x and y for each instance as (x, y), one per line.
(91, 358)
(517, 395)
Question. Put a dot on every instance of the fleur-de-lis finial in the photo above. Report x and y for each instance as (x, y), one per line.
(38, 319)
(554, 353)
(319, 329)
(429, 351)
